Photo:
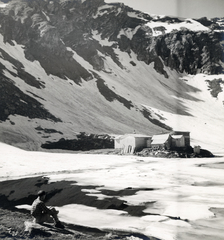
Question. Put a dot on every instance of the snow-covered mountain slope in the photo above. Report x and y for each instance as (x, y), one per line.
(71, 66)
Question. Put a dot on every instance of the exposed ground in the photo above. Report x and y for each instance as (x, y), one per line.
(12, 227)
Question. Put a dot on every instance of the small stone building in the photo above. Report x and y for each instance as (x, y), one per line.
(173, 140)
(129, 143)
(180, 139)
(161, 141)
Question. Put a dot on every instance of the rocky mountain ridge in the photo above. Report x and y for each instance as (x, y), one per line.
(89, 66)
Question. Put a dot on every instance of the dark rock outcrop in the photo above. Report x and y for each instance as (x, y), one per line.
(53, 26)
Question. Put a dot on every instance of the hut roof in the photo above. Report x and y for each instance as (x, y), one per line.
(132, 135)
(177, 136)
(160, 139)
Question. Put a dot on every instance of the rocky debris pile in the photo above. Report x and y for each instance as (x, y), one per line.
(184, 153)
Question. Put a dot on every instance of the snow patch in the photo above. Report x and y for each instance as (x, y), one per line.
(47, 17)
(3, 5)
(103, 42)
(102, 10)
(80, 60)
(128, 32)
(159, 28)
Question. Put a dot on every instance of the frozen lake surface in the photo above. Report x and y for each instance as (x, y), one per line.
(181, 198)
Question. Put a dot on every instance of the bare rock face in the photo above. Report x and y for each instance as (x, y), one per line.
(191, 51)
(51, 27)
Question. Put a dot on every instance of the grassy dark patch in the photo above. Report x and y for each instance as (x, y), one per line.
(215, 86)
(148, 116)
(110, 95)
(83, 142)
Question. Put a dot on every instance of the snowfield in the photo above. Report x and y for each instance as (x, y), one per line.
(206, 121)
(183, 198)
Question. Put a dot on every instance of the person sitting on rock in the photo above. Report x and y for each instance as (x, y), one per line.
(42, 213)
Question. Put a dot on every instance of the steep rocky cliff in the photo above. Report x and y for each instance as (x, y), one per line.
(58, 27)
(88, 65)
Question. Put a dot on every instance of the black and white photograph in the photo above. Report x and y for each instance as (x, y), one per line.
(112, 119)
